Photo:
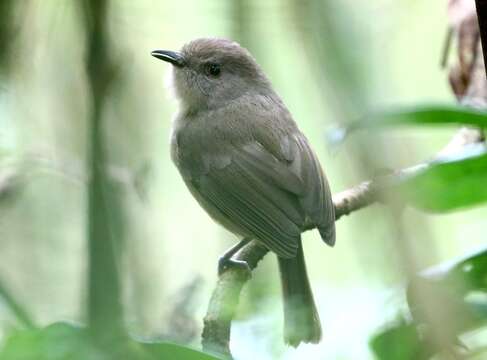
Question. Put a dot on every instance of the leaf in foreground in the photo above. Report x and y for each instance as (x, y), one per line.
(415, 115)
(445, 184)
(440, 302)
(62, 341)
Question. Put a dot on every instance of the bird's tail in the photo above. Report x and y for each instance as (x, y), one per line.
(301, 320)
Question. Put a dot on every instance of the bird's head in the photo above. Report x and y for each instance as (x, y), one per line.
(210, 72)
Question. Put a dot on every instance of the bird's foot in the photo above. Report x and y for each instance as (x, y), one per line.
(225, 264)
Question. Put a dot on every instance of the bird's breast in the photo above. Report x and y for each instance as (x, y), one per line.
(199, 146)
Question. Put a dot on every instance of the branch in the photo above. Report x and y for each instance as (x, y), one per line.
(224, 300)
(225, 297)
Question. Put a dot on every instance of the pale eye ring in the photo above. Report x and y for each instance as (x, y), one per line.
(213, 69)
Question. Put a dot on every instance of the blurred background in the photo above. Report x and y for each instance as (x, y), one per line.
(330, 61)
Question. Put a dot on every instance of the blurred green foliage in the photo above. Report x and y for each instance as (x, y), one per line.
(438, 299)
(8, 30)
(62, 341)
(84, 111)
(451, 182)
(400, 341)
(415, 115)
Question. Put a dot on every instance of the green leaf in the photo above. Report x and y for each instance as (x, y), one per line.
(417, 115)
(450, 182)
(447, 183)
(176, 352)
(62, 341)
(465, 274)
(439, 299)
(448, 290)
(399, 341)
(471, 272)
(425, 114)
(57, 341)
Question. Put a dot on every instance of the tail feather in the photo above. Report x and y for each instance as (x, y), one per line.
(328, 234)
(301, 320)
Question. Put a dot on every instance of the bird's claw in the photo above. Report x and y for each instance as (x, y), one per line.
(224, 264)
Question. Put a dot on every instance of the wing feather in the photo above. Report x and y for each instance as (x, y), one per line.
(233, 195)
(317, 201)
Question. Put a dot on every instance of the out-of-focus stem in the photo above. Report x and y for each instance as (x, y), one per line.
(104, 298)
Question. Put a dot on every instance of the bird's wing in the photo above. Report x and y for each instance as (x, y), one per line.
(250, 193)
(288, 144)
(316, 199)
(267, 197)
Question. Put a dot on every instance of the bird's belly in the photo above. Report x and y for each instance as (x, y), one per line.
(216, 214)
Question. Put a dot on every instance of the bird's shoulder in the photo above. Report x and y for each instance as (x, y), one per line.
(252, 118)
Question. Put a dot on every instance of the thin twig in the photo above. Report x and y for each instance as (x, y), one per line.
(446, 47)
(11, 180)
(17, 309)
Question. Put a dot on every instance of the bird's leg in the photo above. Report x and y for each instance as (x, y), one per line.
(226, 260)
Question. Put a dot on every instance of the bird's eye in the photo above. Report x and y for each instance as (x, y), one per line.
(213, 69)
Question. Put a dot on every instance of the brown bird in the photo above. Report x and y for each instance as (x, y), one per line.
(248, 165)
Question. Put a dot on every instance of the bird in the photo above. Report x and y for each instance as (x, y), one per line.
(245, 161)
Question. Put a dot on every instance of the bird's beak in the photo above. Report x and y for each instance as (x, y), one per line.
(173, 57)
